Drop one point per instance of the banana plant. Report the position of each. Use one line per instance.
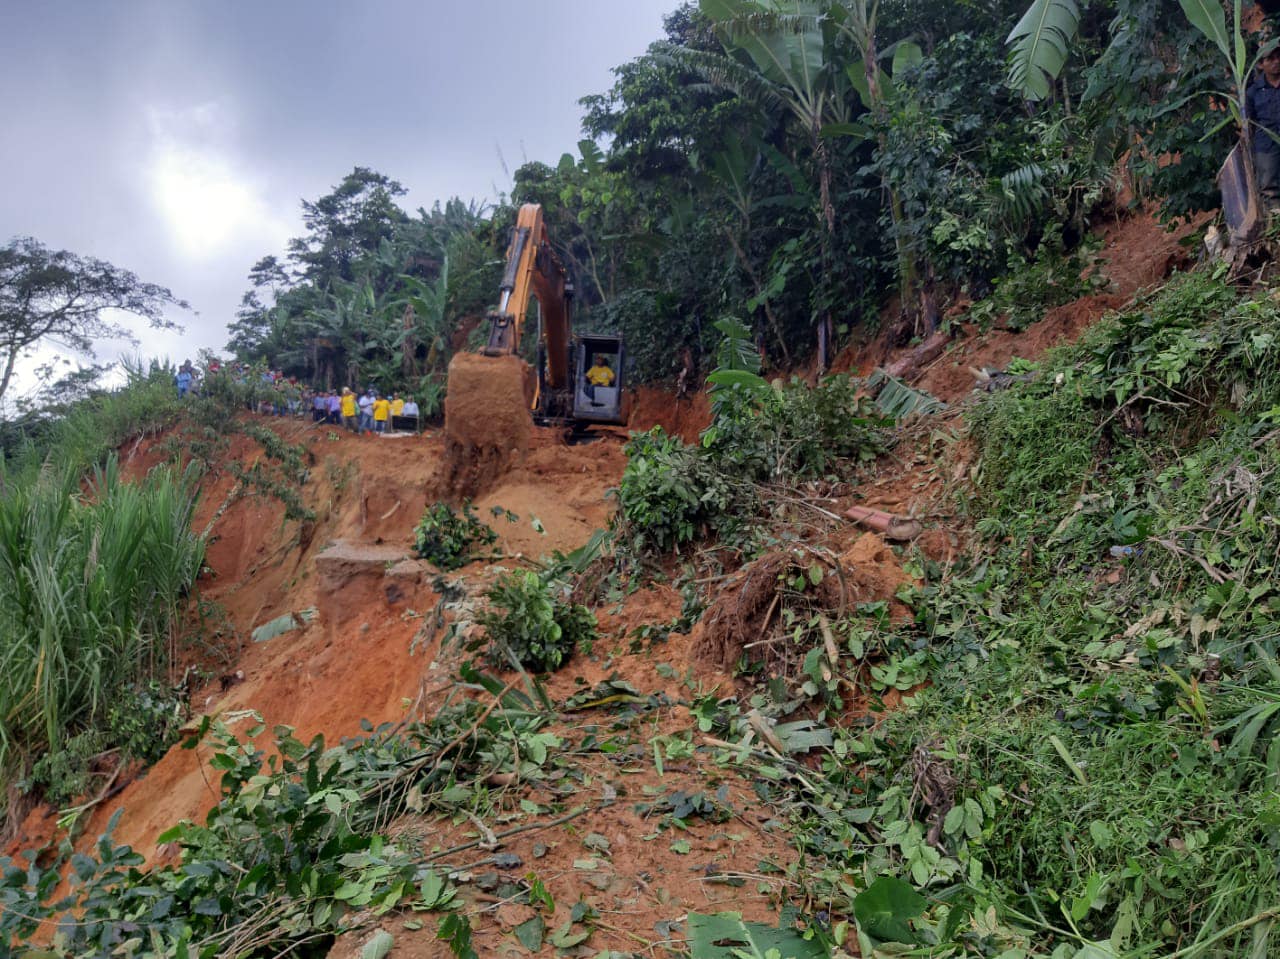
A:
(1208, 17)
(1040, 44)
(729, 173)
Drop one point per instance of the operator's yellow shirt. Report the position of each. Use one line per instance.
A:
(397, 407)
(600, 376)
(380, 409)
(348, 404)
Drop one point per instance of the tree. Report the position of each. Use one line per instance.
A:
(352, 220)
(58, 297)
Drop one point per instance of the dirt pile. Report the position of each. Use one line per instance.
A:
(758, 606)
(487, 422)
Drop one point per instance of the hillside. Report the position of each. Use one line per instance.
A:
(670, 779)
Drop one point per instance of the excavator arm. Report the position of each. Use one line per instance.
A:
(533, 271)
(494, 398)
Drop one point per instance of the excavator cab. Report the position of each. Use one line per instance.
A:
(595, 402)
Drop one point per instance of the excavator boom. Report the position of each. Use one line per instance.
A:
(533, 271)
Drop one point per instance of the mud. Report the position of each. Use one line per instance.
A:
(487, 420)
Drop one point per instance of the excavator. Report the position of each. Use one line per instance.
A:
(560, 394)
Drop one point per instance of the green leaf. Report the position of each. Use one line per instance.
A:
(455, 930)
(1040, 43)
(379, 946)
(856, 130)
(906, 55)
(530, 932)
(884, 908)
(743, 378)
(566, 938)
(726, 936)
(1208, 17)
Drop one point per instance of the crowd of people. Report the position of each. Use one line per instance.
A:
(279, 395)
(369, 412)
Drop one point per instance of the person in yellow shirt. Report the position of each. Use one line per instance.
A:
(381, 412)
(599, 375)
(397, 404)
(349, 410)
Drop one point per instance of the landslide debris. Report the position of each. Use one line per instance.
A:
(487, 421)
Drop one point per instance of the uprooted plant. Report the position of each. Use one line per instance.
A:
(449, 537)
(531, 620)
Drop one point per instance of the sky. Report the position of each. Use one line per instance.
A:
(177, 138)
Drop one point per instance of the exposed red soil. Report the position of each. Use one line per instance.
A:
(641, 882)
(1137, 253)
(353, 662)
(683, 416)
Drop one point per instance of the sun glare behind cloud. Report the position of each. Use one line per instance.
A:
(207, 205)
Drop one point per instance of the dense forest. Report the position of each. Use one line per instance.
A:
(810, 169)
(879, 664)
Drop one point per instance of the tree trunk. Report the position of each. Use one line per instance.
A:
(759, 288)
(10, 362)
(825, 325)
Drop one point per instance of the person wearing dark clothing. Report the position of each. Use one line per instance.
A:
(1262, 106)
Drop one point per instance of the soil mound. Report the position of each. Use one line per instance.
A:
(487, 422)
(746, 619)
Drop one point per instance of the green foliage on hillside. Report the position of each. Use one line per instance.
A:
(763, 439)
(449, 537)
(295, 851)
(94, 580)
(1093, 756)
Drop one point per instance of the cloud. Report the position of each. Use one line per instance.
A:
(208, 205)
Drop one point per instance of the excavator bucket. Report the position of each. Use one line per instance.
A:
(486, 418)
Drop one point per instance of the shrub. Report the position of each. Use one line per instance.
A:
(145, 720)
(532, 618)
(672, 494)
(793, 430)
(448, 538)
(669, 492)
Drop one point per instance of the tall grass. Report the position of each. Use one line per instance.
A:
(82, 434)
(92, 578)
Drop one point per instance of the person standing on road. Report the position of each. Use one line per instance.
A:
(381, 412)
(366, 411)
(349, 410)
(1262, 107)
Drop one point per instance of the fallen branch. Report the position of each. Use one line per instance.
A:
(527, 827)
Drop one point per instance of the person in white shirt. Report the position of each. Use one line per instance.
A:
(366, 412)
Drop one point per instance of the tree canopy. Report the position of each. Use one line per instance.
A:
(62, 299)
(806, 166)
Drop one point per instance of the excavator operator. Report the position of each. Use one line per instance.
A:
(599, 375)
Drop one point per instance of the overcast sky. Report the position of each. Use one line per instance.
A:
(177, 138)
